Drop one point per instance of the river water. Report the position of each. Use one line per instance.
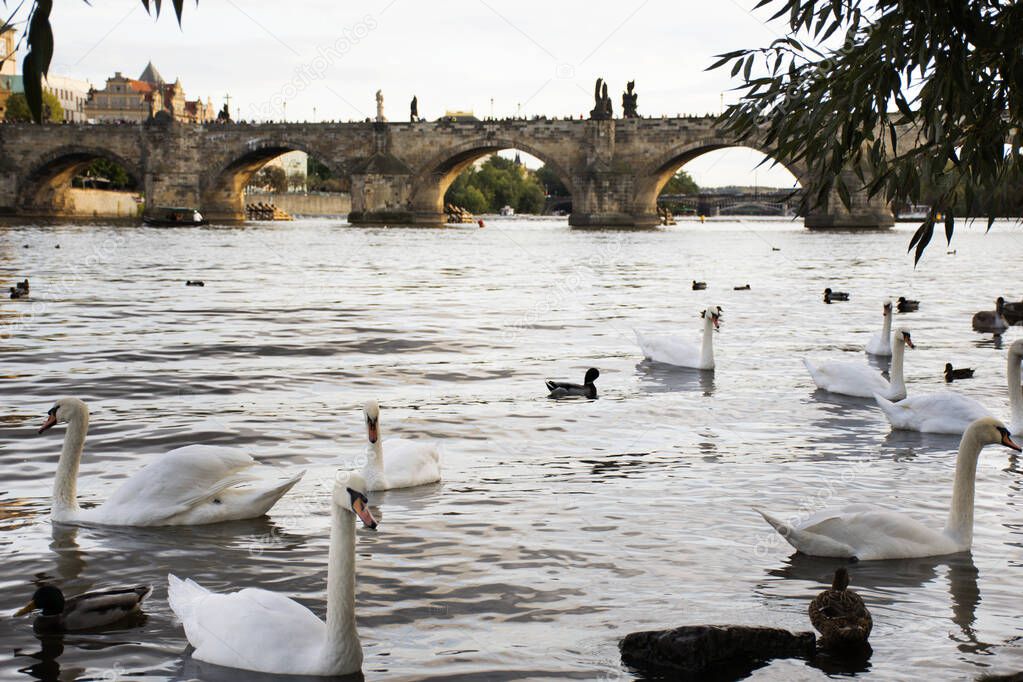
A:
(559, 526)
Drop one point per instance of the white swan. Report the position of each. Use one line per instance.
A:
(948, 412)
(944, 412)
(191, 485)
(881, 343)
(868, 532)
(855, 379)
(267, 632)
(1012, 373)
(408, 463)
(672, 350)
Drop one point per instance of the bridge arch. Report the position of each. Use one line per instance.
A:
(432, 179)
(223, 189)
(44, 188)
(659, 171)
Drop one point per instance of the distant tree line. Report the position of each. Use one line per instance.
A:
(104, 174)
(18, 109)
(498, 182)
(319, 178)
(681, 183)
(271, 179)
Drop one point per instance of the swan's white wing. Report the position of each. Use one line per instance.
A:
(864, 531)
(251, 629)
(828, 513)
(808, 543)
(883, 534)
(410, 463)
(175, 482)
(670, 350)
(848, 378)
(945, 412)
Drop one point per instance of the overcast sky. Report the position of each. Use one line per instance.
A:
(332, 56)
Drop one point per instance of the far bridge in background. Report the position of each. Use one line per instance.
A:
(770, 203)
(398, 172)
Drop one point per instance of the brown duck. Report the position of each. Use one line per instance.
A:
(840, 615)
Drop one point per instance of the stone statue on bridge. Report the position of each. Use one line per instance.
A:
(224, 115)
(629, 101)
(414, 109)
(601, 103)
(380, 107)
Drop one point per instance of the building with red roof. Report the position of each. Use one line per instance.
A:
(139, 99)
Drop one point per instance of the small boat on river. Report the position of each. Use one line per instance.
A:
(162, 216)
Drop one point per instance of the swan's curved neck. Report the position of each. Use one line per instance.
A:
(375, 453)
(886, 330)
(707, 350)
(65, 485)
(1012, 372)
(960, 515)
(898, 382)
(342, 651)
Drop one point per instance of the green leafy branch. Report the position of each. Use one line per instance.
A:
(921, 102)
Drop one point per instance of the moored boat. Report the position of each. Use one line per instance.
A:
(163, 216)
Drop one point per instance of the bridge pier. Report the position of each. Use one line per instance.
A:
(605, 192)
(863, 213)
(602, 219)
(382, 191)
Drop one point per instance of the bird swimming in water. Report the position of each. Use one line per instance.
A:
(992, 321)
(744, 287)
(564, 389)
(699, 286)
(840, 615)
(86, 611)
(905, 305)
(18, 293)
(195, 283)
(1013, 312)
(952, 374)
(830, 295)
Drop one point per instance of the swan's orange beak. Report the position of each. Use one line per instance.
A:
(359, 505)
(1008, 442)
(51, 419)
(371, 431)
(716, 319)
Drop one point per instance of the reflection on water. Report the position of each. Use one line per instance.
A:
(192, 669)
(657, 377)
(560, 525)
(47, 666)
(69, 557)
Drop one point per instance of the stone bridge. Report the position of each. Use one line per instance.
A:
(399, 172)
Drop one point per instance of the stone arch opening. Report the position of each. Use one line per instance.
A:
(241, 181)
(48, 189)
(659, 173)
(431, 183)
